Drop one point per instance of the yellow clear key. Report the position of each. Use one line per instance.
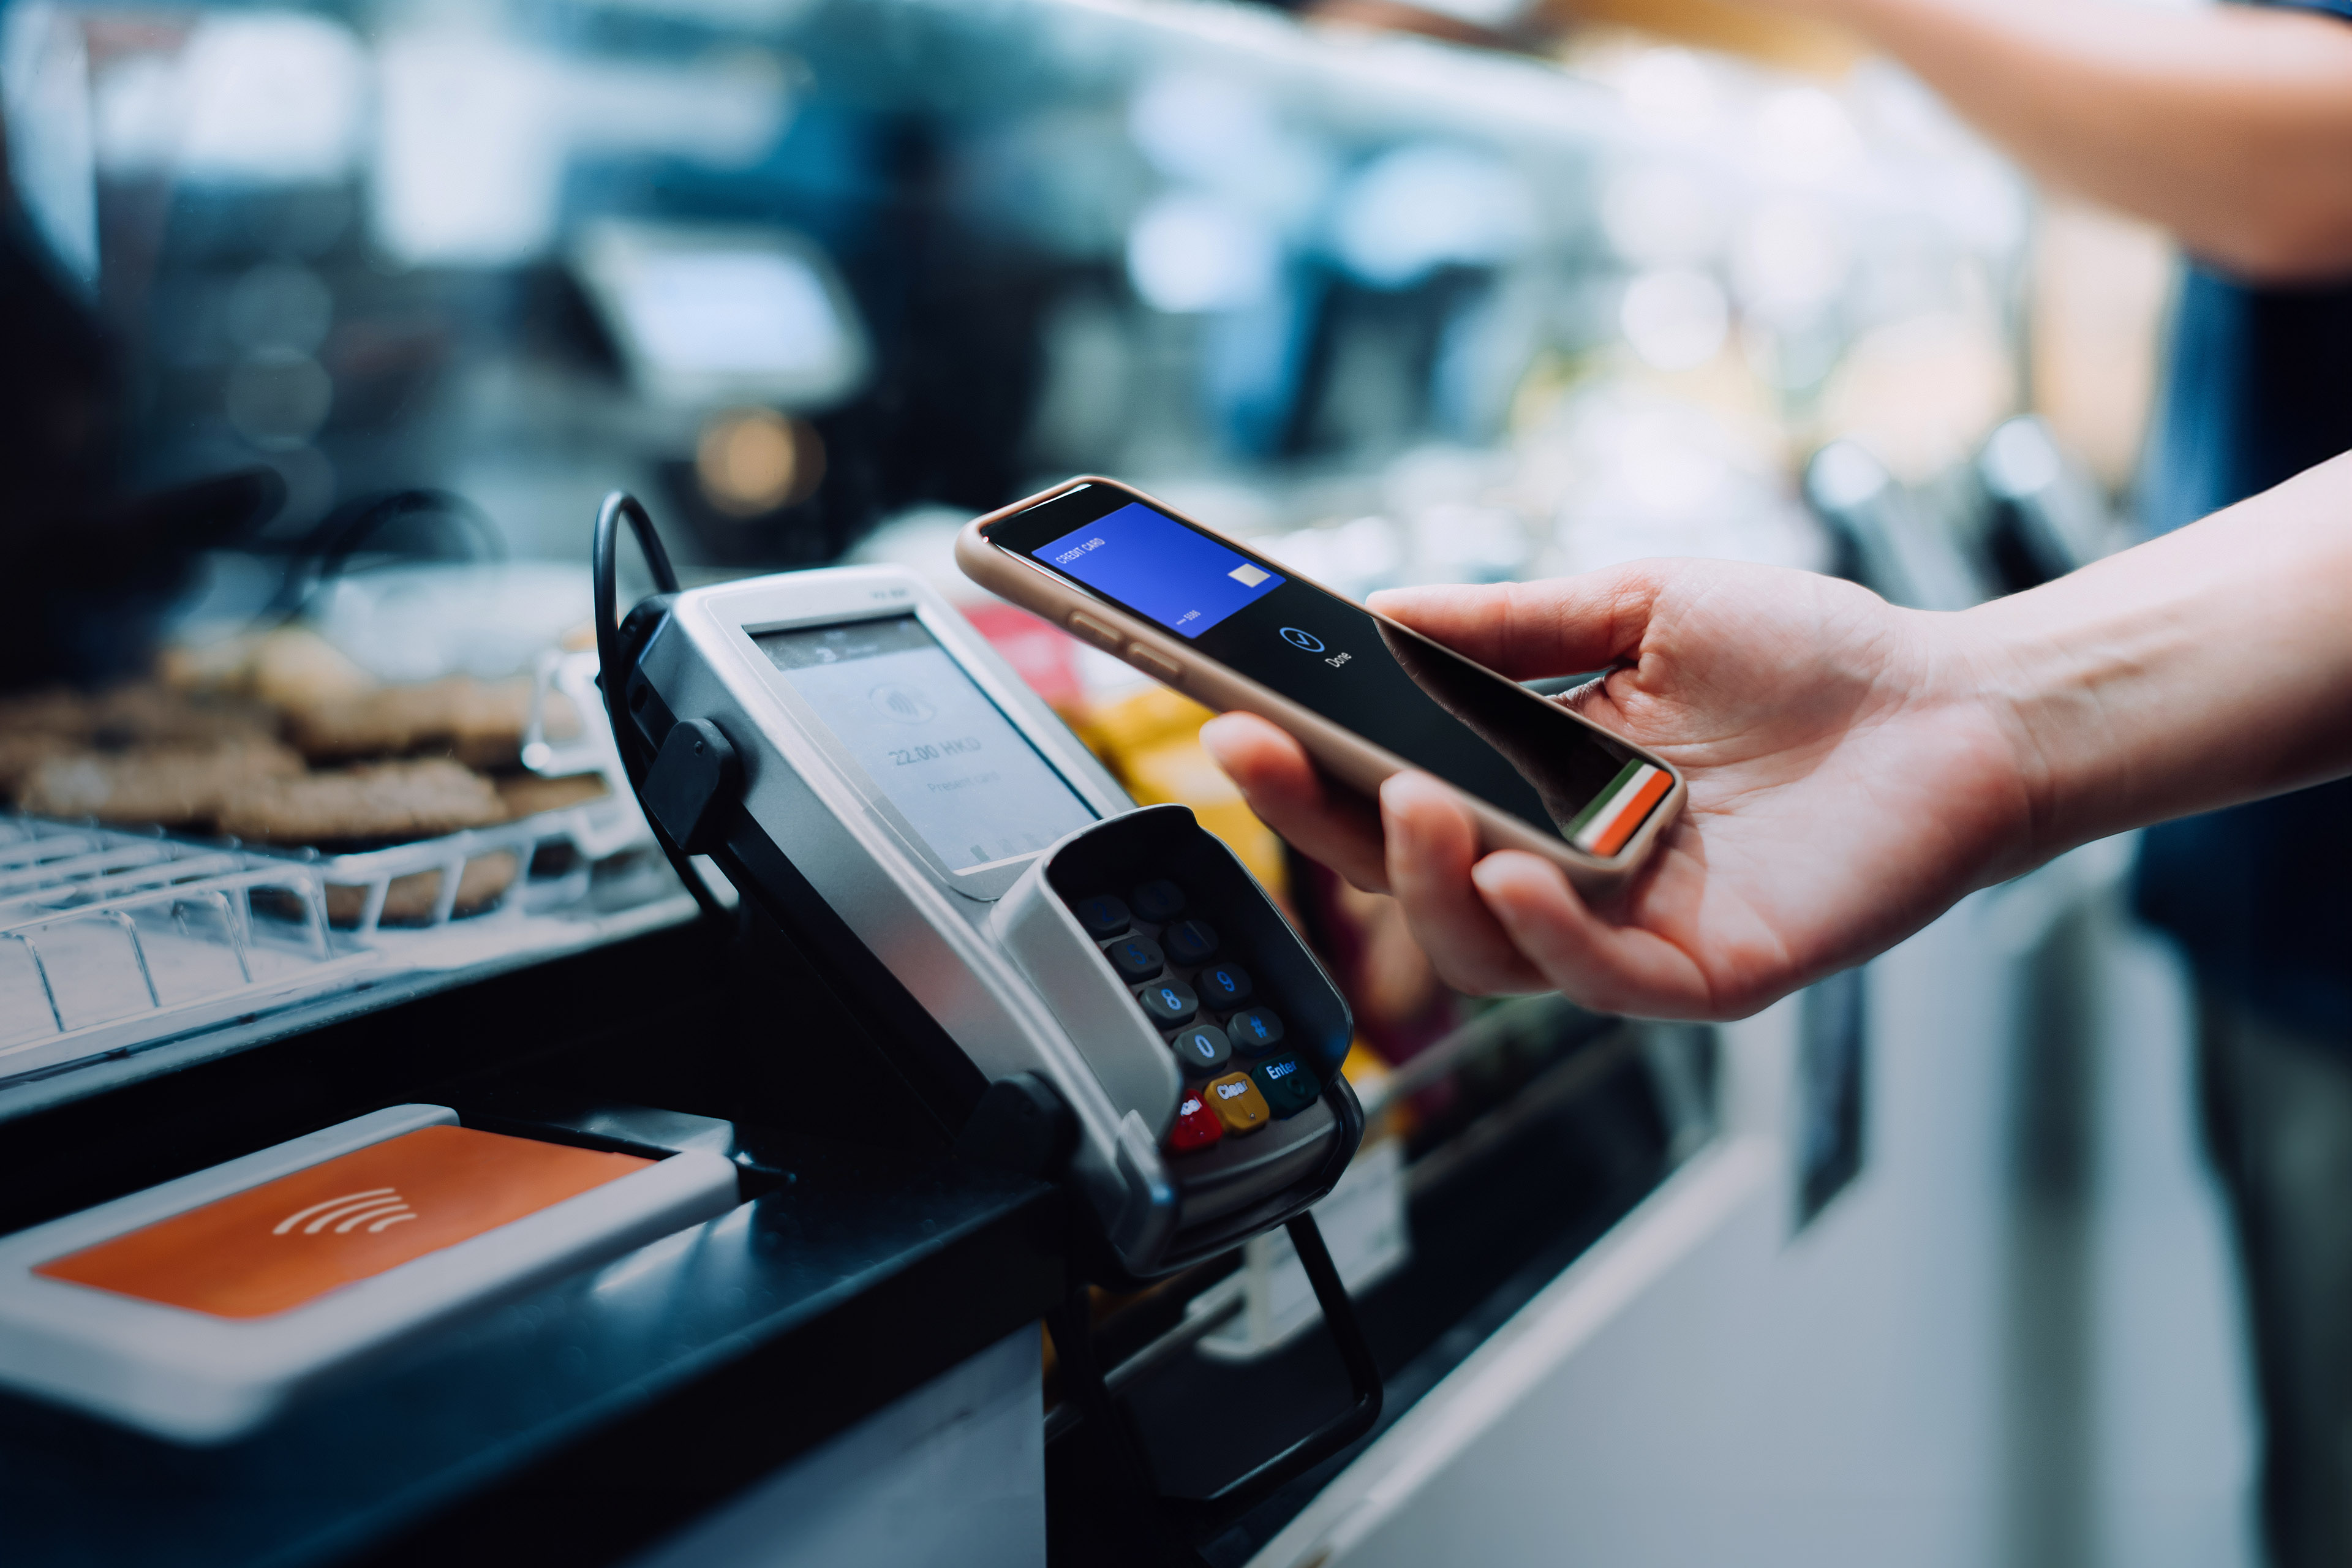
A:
(1237, 1102)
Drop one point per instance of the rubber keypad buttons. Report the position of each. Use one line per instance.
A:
(1196, 1127)
(1223, 986)
(1190, 941)
(1202, 1049)
(1159, 901)
(1169, 1003)
(1102, 915)
(1286, 1084)
(1238, 1102)
(1255, 1031)
(1136, 958)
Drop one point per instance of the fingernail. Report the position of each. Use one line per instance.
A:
(1211, 735)
(1395, 602)
(1397, 813)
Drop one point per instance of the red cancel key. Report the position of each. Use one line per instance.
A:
(1196, 1127)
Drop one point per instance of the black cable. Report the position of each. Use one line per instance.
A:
(329, 547)
(604, 576)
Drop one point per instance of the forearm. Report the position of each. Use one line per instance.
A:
(2205, 668)
(2229, 126)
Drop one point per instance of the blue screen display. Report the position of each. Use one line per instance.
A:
(1160, 569)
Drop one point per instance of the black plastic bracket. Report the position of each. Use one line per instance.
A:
(1190, 1524)
(1021, 1125)
(695, 769)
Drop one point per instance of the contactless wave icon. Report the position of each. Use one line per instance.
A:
(376, 1208)
(906, 704)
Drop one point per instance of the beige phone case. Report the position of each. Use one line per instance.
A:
(1342, 754)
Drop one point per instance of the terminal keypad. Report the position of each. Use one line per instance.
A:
(1204, 1001)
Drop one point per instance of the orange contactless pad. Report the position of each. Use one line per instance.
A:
(287, 1242)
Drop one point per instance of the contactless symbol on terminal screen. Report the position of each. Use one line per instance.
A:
(1306, 640)
(902, 702)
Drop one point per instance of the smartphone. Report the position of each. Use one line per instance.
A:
(1365, 695)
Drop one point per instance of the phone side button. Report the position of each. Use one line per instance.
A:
(1153, 664)
(1094, 631)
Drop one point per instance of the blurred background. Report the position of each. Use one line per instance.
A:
(329, 325)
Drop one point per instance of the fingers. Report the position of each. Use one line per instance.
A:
(1609, 968)
(1282, 787)
(1528, 630)
(1432, 845)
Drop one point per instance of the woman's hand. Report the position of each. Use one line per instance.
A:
(1847, 782)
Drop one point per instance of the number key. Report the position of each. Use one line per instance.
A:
(1159, 901)
(1102, 915)
(1223, 986)
(1202, 1049)
(1190, 941)
(1136, 958)
(1169, 1003)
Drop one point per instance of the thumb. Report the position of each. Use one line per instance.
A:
(1529, 630)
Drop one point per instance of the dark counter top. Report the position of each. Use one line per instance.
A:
(581, 1422)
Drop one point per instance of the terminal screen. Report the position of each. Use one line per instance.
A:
(973, 789)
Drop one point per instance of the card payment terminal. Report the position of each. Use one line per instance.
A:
(1017, 937)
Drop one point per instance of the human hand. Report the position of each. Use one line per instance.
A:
(1849, 778)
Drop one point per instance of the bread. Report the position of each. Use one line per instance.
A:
(383, 802)
(188, 786)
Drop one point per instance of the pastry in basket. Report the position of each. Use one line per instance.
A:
(53, 710)
(146, 714)
(366, 807)
(188, 785)
(410, 900)
(22, 750)
(140, 713)
(381, 803)
(479, 722)
(528, 794)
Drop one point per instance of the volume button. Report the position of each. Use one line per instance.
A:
(1094, 631)
(1154, 665)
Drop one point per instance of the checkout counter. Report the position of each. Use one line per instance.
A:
(819, 281)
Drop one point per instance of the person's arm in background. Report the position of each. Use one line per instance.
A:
(1853, 768)
(2229, 125)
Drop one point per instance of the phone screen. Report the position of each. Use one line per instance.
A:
(1488, 736)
